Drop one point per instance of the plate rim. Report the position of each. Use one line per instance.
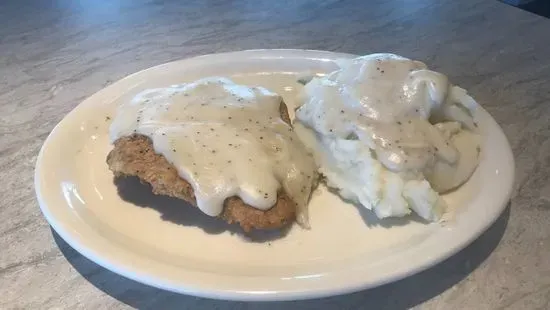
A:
(95, 255)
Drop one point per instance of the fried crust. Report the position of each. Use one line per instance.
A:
(134, 156)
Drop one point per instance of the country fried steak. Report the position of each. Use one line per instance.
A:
(135, 156)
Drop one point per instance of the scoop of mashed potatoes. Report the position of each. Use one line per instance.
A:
(389, 134)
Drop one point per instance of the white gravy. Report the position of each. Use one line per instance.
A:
(225, 139)
(385, 101)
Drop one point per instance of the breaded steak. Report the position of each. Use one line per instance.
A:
(135, 156)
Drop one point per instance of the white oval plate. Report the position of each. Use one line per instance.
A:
(181, 250)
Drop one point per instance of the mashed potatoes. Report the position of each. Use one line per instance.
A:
(389, 134)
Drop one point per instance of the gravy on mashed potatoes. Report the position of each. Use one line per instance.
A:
(390, 134)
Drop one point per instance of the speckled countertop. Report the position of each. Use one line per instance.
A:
(53, 54)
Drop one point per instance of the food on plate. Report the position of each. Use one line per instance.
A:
(228, 149)
(389, 134)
